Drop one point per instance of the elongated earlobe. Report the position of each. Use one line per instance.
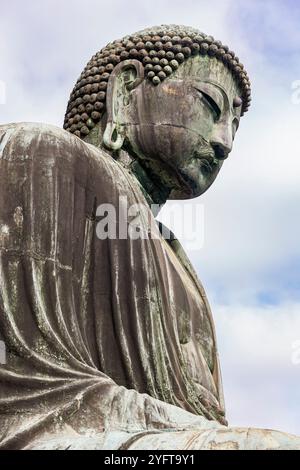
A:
(112, 139)
(125, 77)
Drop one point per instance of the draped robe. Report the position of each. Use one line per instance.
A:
(100, 335)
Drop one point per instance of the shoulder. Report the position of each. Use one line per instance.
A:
(45, 145)
(36, 141)
(36, 136)
(23, 135)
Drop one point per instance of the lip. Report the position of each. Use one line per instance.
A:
(209, 157)
(209, 162)
(206, 164)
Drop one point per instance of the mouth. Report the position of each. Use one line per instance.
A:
(206, 166)
(208, 163)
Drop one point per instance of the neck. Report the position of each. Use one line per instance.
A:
(154, 187)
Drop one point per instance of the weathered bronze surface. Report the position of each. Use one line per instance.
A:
(110, 343)
(161, 50)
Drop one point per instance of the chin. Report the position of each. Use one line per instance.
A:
(191, 192)
(193, 184)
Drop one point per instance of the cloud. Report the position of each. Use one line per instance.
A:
(44, 46)
(260, 361)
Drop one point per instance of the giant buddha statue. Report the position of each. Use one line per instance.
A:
(109, 338)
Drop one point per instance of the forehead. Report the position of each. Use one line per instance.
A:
(211, 70)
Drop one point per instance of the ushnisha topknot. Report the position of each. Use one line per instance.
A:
(161, 50)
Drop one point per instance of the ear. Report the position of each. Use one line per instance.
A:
(125, 77)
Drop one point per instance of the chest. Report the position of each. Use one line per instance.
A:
(194, 327)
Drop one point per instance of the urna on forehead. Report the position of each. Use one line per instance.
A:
(161, 50)
(209, 69)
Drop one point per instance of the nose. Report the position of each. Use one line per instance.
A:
(221, 140)
(220, 152)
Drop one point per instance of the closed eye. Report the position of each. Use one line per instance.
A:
(210, 102)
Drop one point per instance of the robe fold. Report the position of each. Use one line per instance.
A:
(98, 333)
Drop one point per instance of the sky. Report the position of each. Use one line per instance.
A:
(248, 255)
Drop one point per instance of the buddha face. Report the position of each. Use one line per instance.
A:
(184, 127)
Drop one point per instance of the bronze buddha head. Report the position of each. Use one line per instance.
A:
(170, 96)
